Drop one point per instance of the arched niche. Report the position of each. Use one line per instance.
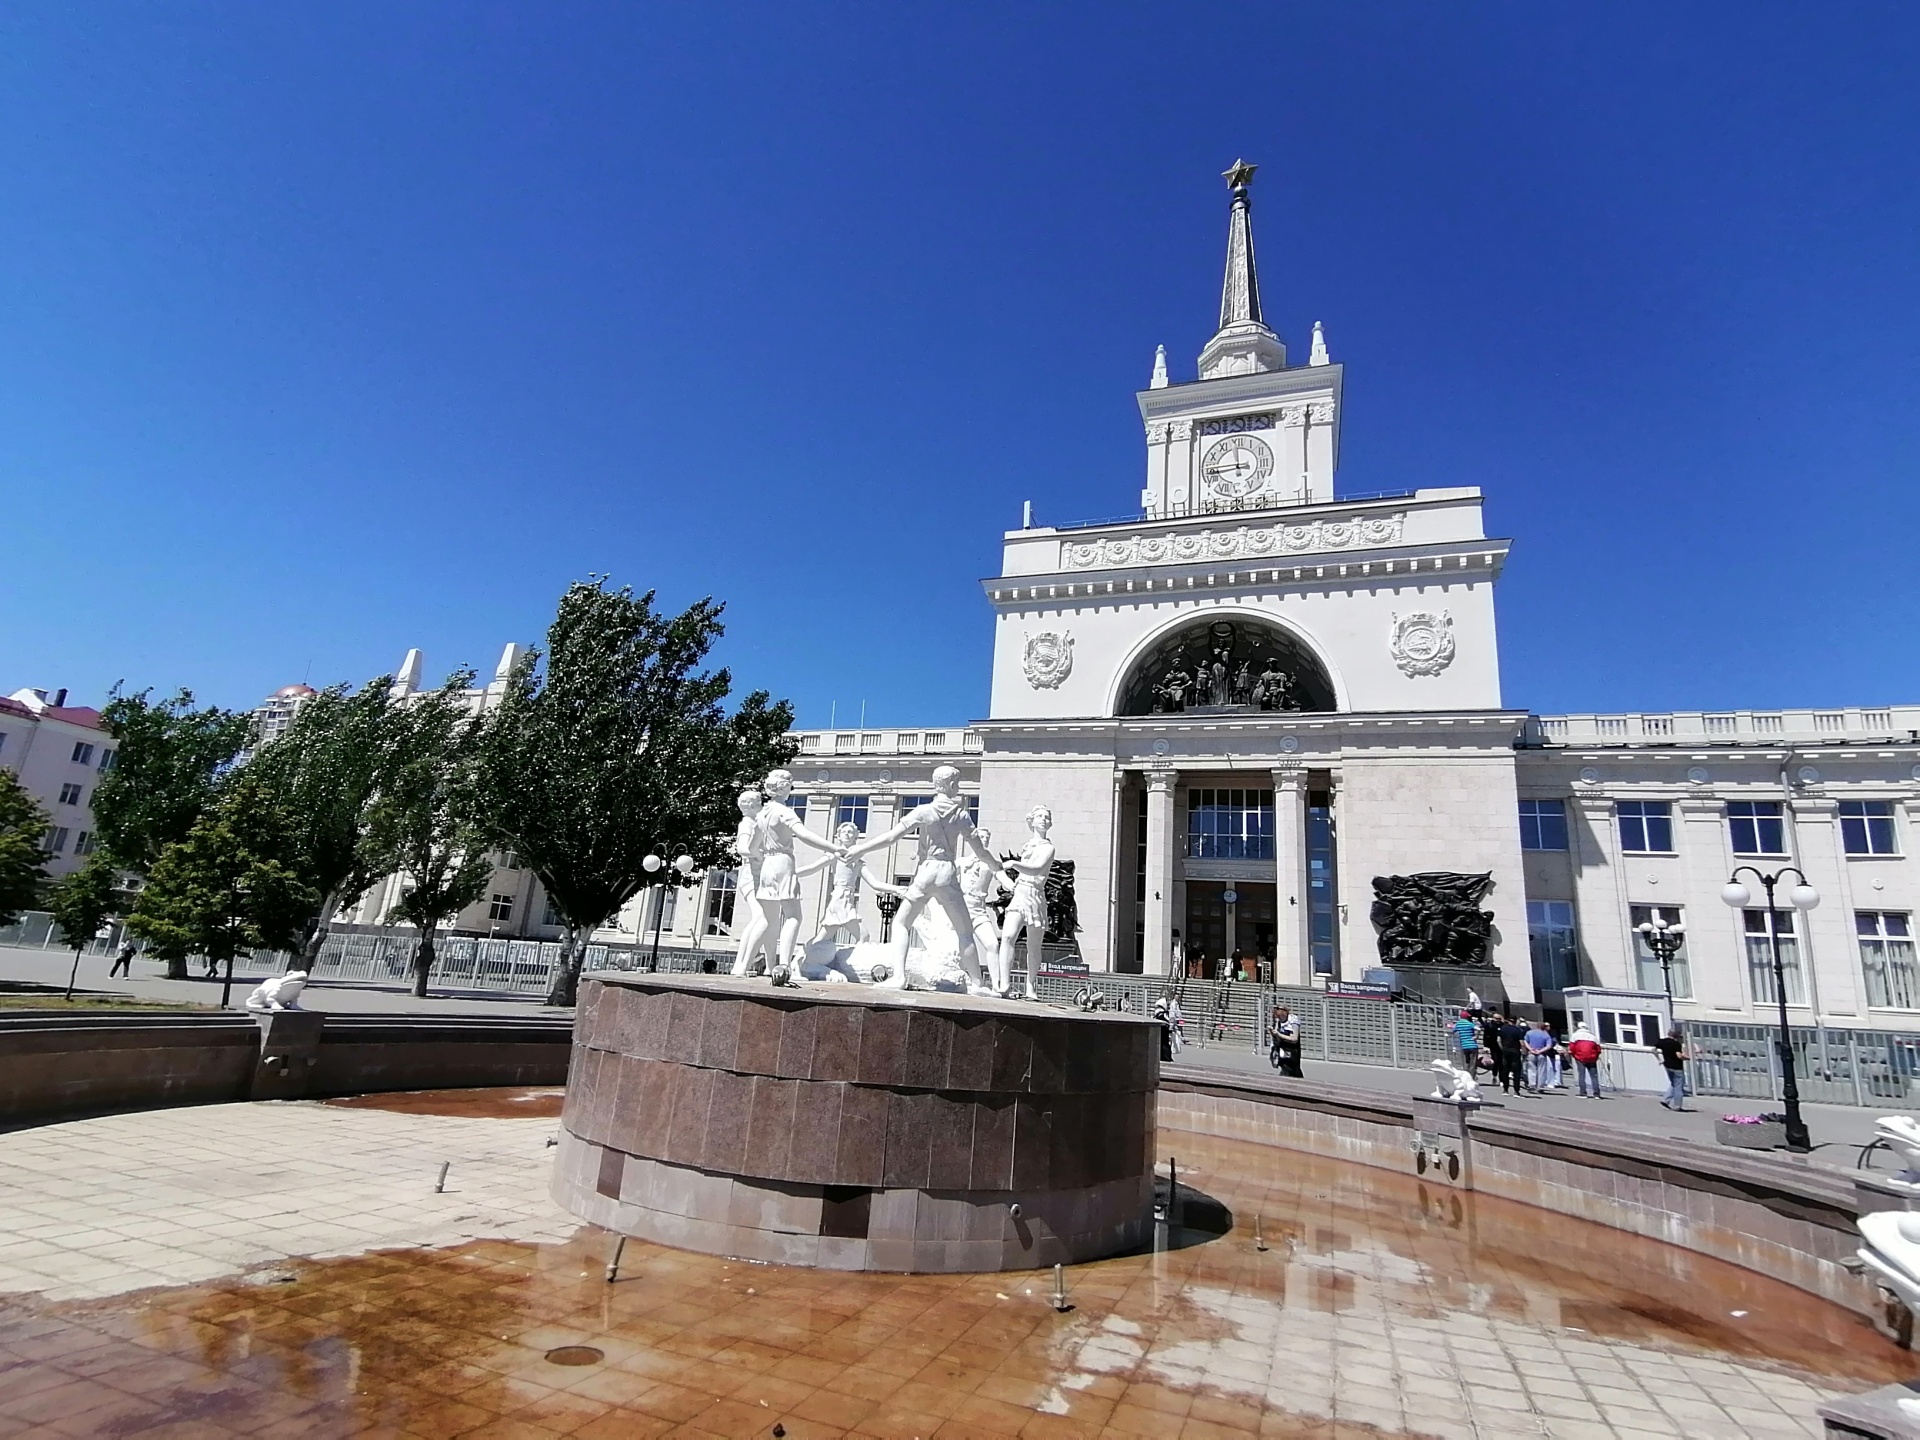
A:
(1265, 668)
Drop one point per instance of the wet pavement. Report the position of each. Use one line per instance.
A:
(1380, 1306)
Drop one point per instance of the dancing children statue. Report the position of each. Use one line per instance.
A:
(747, 849)
(1027, 910)
(777, 890)
(946, 833)
(978, 882)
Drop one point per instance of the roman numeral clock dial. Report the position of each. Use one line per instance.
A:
(1234, 467)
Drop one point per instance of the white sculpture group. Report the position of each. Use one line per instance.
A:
(955, 875)
(1892, 1252)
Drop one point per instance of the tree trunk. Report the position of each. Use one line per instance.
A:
(176, 967)
(322, 923)
(566, 973)
(75, 974)
(422, 963)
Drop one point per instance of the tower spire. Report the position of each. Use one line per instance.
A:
(1240, 292)
(1243, 345)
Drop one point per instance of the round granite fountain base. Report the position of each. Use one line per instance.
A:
(857, 1129)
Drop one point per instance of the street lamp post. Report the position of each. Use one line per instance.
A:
(1803, 898)
(653, 865)
(1664, 941)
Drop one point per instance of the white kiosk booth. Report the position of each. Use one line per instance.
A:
(1626, 1022)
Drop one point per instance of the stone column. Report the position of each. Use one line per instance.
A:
(1291, 965)
(1838, 987)
(1160, 818)
(1713, 930)
(1601, 901)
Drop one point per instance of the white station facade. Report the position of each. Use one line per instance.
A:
(1258, 696)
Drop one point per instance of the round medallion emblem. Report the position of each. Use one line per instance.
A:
(1422, 642)
(1698, 774)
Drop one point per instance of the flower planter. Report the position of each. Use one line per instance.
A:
(1768, 1135)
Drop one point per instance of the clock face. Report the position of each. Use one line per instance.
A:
(1235, 466)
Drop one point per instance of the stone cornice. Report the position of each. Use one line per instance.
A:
(1355, 569)
(1238, 392)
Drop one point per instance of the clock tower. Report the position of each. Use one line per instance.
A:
(1249, 433)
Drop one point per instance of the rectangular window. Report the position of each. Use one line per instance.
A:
(1543, 825)
(55, 842)
(973, 809)
(1646, 826)
(1760, 956)
(509, 861)
(553, 916)
(1866, 827)
(1624, 1027)
(851, 810)
(1230, 824)
(1756, 828)
(108, 759)
(1649, 963)
(1886, 955)
(798, 805)
(82, 753)
(1550, 938)
(500, 909)
(1323, 881)
(720, 891)
(70, 794)
(84, 843)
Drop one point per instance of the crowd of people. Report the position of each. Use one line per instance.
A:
(1526, 1058)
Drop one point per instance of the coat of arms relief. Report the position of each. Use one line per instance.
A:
(1049, 658)
(1422, 642)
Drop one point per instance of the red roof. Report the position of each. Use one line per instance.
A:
(76, 715)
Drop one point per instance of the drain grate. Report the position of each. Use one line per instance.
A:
(575, 1355)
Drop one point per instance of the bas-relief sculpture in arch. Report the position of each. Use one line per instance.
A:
(1223, 660)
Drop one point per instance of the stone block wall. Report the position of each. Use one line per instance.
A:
(857, 1130)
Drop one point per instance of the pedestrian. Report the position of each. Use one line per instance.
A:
(1673, 1059)
(1466, 1041)
(1510, 1054)
(123, 962)
(1284, 1042)
(1541, 1064)
(1585, 1050)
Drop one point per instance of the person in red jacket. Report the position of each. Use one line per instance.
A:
(1585, 1051)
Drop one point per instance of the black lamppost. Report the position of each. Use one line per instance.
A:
(889, 907)
(1803, 898)
(1664, 941)
(653, 865)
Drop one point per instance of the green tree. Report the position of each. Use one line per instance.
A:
(170, 759)
(23, 855)
(228, 886)
(82, 902)
(620, 749)
(424, 824)
(323, 773)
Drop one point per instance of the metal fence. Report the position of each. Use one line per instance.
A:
(35, 930)
(1834, 1067)
(1234, 1012)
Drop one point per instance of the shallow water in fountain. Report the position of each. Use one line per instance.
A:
(1381, 1305)
(505, 1102)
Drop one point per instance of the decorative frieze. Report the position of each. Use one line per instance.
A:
(1237, 424)
(1247, 541)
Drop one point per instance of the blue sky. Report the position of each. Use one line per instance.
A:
(328, 330)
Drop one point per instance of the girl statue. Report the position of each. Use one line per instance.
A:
(777, 890)
(750, 922)
(841, 922)
(1027, 910)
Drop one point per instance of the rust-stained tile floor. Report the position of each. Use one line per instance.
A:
(1380, 1307)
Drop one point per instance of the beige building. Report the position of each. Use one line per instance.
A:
(57, 752)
